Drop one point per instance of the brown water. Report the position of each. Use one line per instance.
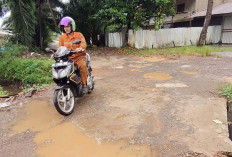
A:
(68, 140)
(12, 90)
(158, 76)
(189, 72)
(59, 138)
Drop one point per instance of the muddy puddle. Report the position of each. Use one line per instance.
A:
(55, 136)
(153, 59)
(158, 76)
(11, 90)
(189, 72)
(68, 140)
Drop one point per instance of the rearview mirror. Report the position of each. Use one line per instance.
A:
(77, 42)
(47, 49)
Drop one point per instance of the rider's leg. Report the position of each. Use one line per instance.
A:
(81, 63)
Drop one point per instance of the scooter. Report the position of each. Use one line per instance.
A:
(67, 77)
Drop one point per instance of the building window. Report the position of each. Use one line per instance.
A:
(180, 8)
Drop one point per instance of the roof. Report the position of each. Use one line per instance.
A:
(225, 8)
(178, 18)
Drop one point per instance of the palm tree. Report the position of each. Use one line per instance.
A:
(22, 21)
(47, 17)
(32, 20)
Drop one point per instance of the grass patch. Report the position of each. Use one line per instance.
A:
(226, 90)
(189, 50)
(2, 92)
(28, 72)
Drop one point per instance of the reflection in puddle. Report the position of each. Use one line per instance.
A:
(57, 138)
(11, 90)
(158, 76)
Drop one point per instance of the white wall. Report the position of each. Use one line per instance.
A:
(115, 40)
(227, 30)
(171, 37)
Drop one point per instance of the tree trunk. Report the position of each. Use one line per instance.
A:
(38, 36)
(206, 24)
(40, 29)
(53, 17)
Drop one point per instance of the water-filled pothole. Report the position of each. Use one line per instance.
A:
(10, 89)
(229, 119)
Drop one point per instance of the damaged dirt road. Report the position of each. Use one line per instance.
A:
(140, 107)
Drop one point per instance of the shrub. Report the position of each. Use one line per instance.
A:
(226, 90)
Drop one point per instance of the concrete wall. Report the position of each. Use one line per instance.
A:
(227, 30)
(171, 37)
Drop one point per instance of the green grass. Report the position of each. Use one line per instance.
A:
(226, 90)
(2, 92)
(189, 50)
(28, 72)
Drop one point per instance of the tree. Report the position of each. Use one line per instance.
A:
(32, 20)
(208, 16)
(47, 17)
(133, 14)
(22, 20)
(82, 11)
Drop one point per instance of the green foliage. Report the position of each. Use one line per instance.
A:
(226, 90)
(9, 50)
(2, 92)
(82, 11)
(114, 19)
(27, 71)
(22, 21)
(133, 14)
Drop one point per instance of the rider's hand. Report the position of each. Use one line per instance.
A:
(79, 49)
(52, 56)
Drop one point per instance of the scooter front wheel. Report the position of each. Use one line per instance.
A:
(64, 101)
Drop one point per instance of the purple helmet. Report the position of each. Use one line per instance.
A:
(68, 20)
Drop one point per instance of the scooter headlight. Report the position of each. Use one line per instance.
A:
(65, 72)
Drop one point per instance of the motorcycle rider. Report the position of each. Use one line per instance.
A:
(79, 58)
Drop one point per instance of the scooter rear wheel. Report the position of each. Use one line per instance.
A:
(64, 101)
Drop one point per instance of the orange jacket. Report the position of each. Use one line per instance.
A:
(66, 41)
